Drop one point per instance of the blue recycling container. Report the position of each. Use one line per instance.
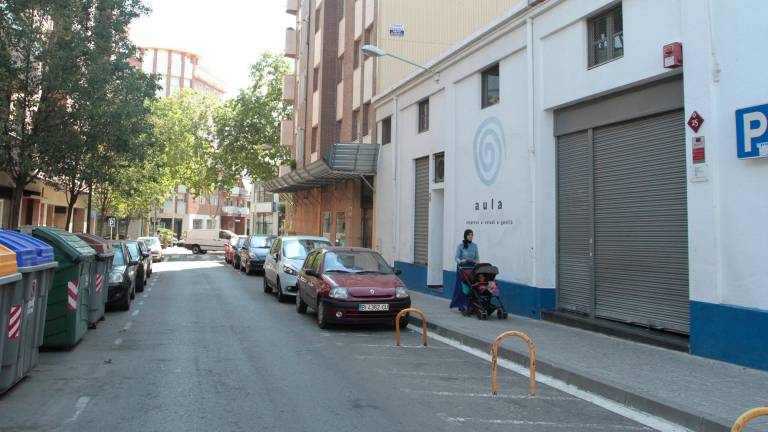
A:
(36, 264)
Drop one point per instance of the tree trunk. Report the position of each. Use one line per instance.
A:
(127, 228)
(16, 198)
(88, 212)
(70, 210)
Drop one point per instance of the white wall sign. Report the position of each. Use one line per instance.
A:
(397, 30)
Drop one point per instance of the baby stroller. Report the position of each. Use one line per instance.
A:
(484, 298)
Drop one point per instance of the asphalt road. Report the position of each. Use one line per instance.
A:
(204, 349)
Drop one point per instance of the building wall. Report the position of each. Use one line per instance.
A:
(431, 27)
(543, 67)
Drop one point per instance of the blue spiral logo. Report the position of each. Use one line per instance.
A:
(489, 150)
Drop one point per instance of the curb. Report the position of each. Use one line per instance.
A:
(674, 412)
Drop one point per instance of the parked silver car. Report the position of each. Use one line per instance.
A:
(284, 260)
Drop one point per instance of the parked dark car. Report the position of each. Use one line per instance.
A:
(238, 243)
(253, 252)
(351, 285)
(145, 261)
(122, 278)
(146, 252)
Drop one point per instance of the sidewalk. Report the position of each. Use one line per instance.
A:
(700, 394)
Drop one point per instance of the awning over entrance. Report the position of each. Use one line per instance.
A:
(342, 162)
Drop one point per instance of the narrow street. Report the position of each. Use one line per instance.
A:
(204, 349)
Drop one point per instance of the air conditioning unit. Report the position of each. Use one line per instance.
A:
(439, 167)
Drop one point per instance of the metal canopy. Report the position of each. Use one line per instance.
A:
(342, 162)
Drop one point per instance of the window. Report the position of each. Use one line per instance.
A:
(326, 224)
(202, 200)
(275, 247)
(314, 139)
(369, 36)
(316, 263)
(356, 63)
(316, 78)
(341, 228)
(356, 262)
(490, 90)
(208, 224)
(197, 224)
(386, 130)
(366, 112)
(606, 37)
(182, 198)
(263, 223)
(439, 167)
(296, 249)
(318, 16)
(424, 115)
(214, 200)
(355, 121)
(308, 262)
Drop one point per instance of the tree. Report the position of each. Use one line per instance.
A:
(33, 76)
(106, 114)
(184, 127)
(246, 124)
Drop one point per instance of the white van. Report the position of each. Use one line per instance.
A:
(204, 240)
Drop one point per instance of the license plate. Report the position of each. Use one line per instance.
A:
(374, 307)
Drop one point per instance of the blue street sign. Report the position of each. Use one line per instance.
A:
(752, 132)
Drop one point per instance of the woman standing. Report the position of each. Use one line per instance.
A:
(466, 256)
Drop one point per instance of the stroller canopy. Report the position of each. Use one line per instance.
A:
(486, 269)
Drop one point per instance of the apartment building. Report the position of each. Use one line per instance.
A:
(265, 211)
(331, 137)
(41, 205)
(180, 69)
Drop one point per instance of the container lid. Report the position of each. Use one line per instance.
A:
(29, 250)
(101, 246)
(7, 262)
(65, 242)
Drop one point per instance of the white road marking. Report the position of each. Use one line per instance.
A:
(145, 296)
(540, 423)
(369, 357)
(127, 326)
(486, 395)
(118, 341)
(406, 347)
(135, 313)
(141, 303)
(80, 405)
(149, 289)
(614, 407)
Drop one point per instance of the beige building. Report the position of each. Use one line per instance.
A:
(330, 191)
(179, 69)
(41, 205)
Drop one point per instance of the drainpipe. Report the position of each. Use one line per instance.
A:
(395, 182)
(532, 148)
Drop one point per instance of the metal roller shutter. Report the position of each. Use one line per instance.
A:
(421, 212)
(574, 223)
(641, 231)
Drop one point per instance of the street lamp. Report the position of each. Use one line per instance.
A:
(374, 51)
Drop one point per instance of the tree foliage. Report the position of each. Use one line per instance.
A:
(184, 127)
(252, 120)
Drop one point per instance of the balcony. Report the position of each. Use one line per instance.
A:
(234, 211)
(286, 133)
(291, 42)
(339, 100)
(315, 108)
(292, 7)
(342, 34)
(289, 88)
(265, 207)
(318, 55)
(358, 22)
(239, 191)
(284, 170)
(368, 80)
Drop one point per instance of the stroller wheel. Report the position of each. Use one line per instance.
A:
(500, 314)
(505, 315)
(482, 316)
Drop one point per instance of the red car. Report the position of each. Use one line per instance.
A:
(351, 285)
(230, 248)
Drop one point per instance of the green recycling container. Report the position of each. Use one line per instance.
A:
(97, 297)
(66, 319)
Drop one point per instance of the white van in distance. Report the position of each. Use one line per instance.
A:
(204, 240)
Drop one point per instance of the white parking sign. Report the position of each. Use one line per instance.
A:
(752, 132)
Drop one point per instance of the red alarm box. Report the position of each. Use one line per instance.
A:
(673, 55)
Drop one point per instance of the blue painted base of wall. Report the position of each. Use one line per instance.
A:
(730, 333)
(519, 299)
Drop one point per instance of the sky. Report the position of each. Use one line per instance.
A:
(228, 35)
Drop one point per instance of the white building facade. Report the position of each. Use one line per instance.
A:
(559, 135)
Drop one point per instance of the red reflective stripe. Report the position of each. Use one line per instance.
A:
(14, 322)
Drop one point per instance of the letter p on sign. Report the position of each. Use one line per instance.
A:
(752, 132)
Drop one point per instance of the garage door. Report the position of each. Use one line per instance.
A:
(574, 235)
(421, 212)
(641, 222)
(622, 222)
